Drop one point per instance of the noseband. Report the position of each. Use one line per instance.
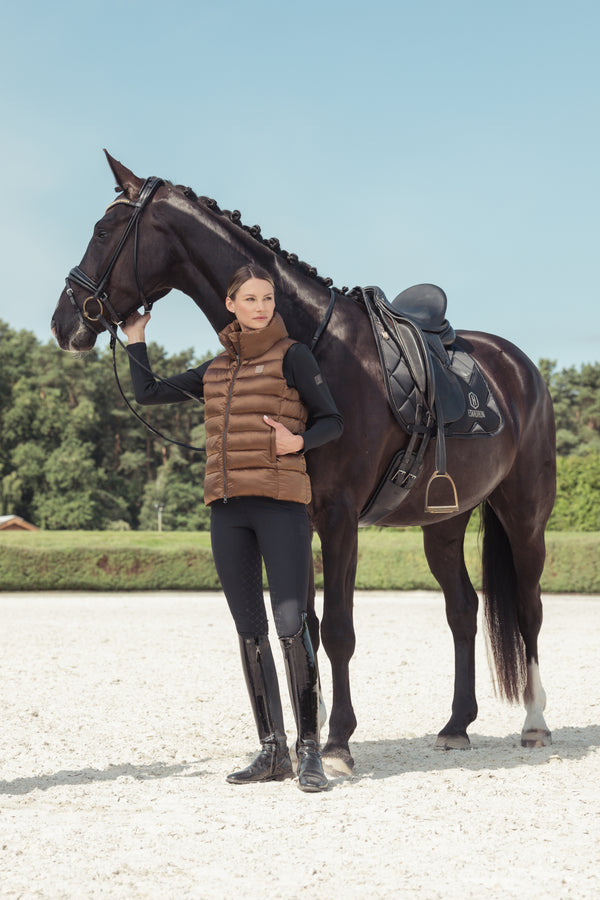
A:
(99, 289)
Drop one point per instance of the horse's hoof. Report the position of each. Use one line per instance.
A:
(536, 737)
(337, 762)
(452, 742)
(334, 766)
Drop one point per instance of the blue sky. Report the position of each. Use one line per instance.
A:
(385, 142)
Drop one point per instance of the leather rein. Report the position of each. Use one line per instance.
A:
(99, 295)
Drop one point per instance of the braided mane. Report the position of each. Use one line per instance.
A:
(235, 217)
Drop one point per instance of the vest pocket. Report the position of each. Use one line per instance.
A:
(272, 445)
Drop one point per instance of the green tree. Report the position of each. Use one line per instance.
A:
(576, 398)
(179, 491)
(577, 506)
(75, 494)
(71, 453)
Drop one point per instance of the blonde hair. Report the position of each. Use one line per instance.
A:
(241, 276)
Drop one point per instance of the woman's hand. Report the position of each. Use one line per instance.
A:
(285, 441)
(134, 327)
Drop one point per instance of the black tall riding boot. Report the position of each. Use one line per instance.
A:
(273, 762)
(303, 682)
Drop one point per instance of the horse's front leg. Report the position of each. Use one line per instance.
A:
(315, 638)
(338, 529)
(444, 543)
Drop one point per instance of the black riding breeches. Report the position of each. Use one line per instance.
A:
(246, 530)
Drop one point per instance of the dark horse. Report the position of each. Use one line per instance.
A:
(186, 242)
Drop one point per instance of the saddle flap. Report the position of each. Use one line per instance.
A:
(415, 357)
(449, 396)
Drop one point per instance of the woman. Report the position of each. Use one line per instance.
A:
(266, 405)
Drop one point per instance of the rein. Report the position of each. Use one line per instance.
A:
(325, 321)
(114, 340)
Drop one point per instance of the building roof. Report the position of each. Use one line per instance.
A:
(16, 523)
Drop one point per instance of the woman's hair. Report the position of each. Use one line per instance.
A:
(241, 275)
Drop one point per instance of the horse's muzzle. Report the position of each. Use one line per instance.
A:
(77, 339)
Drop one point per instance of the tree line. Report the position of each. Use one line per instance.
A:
(72, 455)
(576, 397)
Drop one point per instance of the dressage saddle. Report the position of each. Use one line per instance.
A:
(434, 387)
(425, 306)
(415, 324)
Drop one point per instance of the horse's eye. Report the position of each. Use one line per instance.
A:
(101, 234)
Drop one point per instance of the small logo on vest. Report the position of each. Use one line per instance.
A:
(259, 369)
(318, 379)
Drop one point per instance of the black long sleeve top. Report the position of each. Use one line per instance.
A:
(300, 370)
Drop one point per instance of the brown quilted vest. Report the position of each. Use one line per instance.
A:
(240, 387)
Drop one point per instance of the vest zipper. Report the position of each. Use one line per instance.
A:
(235, 374)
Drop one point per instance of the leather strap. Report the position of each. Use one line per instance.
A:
(97, 288)
(325, 321)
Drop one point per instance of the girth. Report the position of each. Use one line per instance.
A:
(433, 388)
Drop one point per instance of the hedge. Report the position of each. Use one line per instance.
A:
(388, 559)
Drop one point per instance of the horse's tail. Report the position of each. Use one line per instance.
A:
(499, 584)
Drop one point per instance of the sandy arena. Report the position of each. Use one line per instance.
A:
(123, 713)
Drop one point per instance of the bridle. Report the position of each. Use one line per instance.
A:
(99, 289)
(99, 295)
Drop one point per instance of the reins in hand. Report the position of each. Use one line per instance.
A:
(114, 340)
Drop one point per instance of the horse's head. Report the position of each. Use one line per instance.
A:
(121, 270)
(157, 236)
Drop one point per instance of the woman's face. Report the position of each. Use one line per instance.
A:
(253, 305)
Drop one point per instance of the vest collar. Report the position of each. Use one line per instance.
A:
(251, 344)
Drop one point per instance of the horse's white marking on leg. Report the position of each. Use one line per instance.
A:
(322, 710)
(535, 698)
(535, 731)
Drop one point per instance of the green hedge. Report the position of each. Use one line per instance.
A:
(388, 559)
(106, 561)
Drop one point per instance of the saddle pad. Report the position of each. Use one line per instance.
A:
(468, 405)
(481, 415)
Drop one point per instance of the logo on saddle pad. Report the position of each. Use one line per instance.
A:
(475, 412)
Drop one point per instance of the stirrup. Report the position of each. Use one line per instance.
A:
(441, 509)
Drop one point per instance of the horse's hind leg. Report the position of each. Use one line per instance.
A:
(444, 549)
(524, 532)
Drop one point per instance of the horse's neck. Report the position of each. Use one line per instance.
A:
(215, 247)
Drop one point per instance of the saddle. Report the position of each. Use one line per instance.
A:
(434, 387)
(412, 334)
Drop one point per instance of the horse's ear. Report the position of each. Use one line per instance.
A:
(127, 182)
